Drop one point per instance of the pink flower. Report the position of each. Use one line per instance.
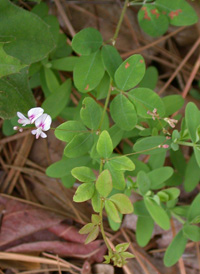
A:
(33, 114)
(43, 123)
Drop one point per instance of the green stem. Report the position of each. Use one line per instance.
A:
(178, 217)
(186, 144)
(133, 153)
(105, 106)
(101, 226)
(101, 166)
(120, 22)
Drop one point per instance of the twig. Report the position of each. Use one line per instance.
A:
(191, 78)
(180, 65)
(65, 18)
(153, 43)
(144, 268)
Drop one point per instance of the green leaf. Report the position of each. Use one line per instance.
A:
(68, 181)
(111, 59)
(41, 10)
(30, 39)
(192, 232)
(144, 230)
(96, 201)
(51, 80)
(179, 12)
(56, 102)
(158, 214)
(140, 209)
(143, 182)
(157, 160)
(96, 219)
(7, 127)
(146, 100)
(9, 64)
(90, 113)
(15, 95)
(171, 193)
(149, 145)
(87, 228)
(178, 161)
(194, 210)
(88, 72)
(83, 174)
(68, 130)
(175, 249)
(122, 203)
(87, 41)
(172, 103)
(122, 247)
(130, 72)
(84, 192)
(79, 145)
(116, 134)
(112, 211)
(197, 155)
(65, 64)
(152, 21)
(103, 87)
(114, 226)
(122, 163)
(104, 183)
(192, 117)
(63, 167)
(123, 112)
(192, 174)
(159, 176)
(150, 78)
(92, 235)
(104, 145)
(118, 180)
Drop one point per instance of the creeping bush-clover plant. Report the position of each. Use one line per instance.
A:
(118, 101)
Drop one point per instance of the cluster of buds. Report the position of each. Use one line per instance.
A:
(171, 122)
(163, 146)
(35, 115)
(154, 114)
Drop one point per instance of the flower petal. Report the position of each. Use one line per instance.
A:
(22, 119)
(35, 113)
(34, 131)
(21, 116)
(43, 135)
(44, 121)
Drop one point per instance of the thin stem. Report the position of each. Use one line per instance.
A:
(101, 226)
(120, 22)
(178, 217)
(187, 144)
(105, 106)
(101, 166)
(138, 152)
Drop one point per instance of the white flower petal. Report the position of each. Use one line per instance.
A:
(35, 113)
(43, 135)
(34, 131)
(44, 121)
(20, 115)
(22, 119)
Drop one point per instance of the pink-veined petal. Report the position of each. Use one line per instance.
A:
(44, 121)
(22, 119)
(35, 113)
